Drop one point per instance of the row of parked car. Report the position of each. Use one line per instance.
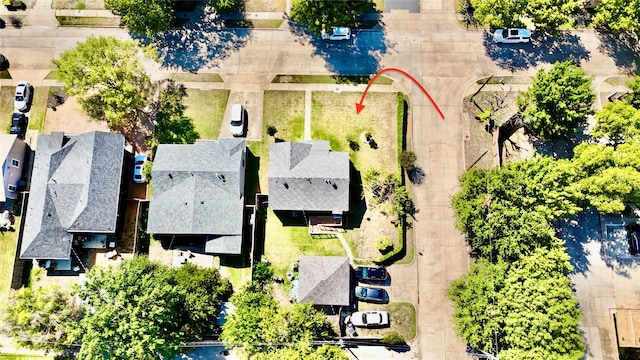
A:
(372, 318)
(21, 102)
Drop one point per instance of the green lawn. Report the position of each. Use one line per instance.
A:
(285, 111)
(402, 319)
(8, 244)
(266, 5)
(285, 244)
(206, 108)
(6, 107)
(5, 75)
(52, 75)
(24, 357)
(88, 21)
(334, 118)
(189, 77)
(38, 108)
(266, 23)
(328, 79)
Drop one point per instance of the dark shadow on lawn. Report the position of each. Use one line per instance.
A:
(357, 203)
(624, 49)
(542, 49)
(358, 56)
(202, 41)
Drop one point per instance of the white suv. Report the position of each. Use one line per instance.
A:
(338, 33)
(512, 36)
(22, 96)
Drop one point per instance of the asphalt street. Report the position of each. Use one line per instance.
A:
(444, 56)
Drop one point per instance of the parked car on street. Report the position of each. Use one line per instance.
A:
(371, 294)
(633, 236)
(371, 273)
(138, 166)
(370, 318)
(22, 96)
(512, 36)
(337, 33)
(18, 125)
(238, 120)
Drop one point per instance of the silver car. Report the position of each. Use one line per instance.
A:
(22, 96)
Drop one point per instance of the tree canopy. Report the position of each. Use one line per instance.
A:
(172, 125)
(145, 17)
(617, 121)
(109, 80)
(317, 14)
(634, 96)
(559, 100)
(547, 16)
(618, 16)
(268, 331)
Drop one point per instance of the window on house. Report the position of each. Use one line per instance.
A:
(12, 188)
(15, 163)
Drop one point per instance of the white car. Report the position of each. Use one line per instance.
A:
(236, 125)
(338, 33)
(22, 96)
(370, 318)
(138, 166)
(512, 36)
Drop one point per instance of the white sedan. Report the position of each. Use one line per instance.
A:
(512, 36)
(370, 318)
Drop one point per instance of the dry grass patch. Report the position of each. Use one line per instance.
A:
(74, 4)
(6, 107)
(265, 5)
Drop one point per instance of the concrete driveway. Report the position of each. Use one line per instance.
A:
(252, 102)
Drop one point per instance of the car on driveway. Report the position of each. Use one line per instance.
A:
(337, 33)
(22, 96)
(18, 125)
(371, 273)
(371, 294)
(512, 36)
(370, 318)
(138, 166)
(238, 120)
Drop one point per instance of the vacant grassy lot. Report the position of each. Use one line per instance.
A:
(402, 319)
(206, 108)
(334, 118)
(285, 111)
(6, 107)
(285, 244)
(8, 244)
(38, 108)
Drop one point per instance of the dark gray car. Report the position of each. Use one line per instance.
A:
(371, 294)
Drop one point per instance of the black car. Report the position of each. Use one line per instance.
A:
(18, 125)
(633, 236)
(371, 273)
(371, 294)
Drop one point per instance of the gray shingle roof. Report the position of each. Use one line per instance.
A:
(308, 176)
(198, 189)
(75, 187)
(324, 280)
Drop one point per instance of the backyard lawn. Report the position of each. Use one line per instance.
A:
(285, 244)
(206, 108)
(334, 118)
(38, 108)
(8, 244)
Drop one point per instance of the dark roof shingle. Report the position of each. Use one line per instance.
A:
(324, 280)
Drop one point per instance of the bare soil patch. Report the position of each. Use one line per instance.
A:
(374, 226)
(70, 118)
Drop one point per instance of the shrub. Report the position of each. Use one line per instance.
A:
(146, 170)
(393, 338)
(384, 244)
(271, 130)
(408, 160)
(262, 272)
(80, 6)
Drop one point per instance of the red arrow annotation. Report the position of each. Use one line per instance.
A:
(359, 105)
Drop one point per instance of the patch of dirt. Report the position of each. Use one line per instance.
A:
(127, 238)
(374, 226)
(70, 119)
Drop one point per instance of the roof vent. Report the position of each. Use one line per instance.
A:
(221, 177)
(286, 186)
(327, 181)
(170, 176)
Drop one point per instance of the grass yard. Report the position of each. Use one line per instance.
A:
(266, 23)
(402, 319)
(285, 111)
(189, 77)
(38, 108)
(52, 75)
(5, 75)
(285, 244)
(328, 79)
(24, 356)
(88, 21)
(8, 244)
(75, 4)
(6, 107)
(206, 108)
(334, 118)
(266, 5)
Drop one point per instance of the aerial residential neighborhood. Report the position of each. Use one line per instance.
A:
(304, 179)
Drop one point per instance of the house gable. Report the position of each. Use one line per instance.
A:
(324, 280)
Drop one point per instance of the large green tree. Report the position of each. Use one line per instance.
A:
(506, 212)
(617, 121)
(109, 80)
(634, 97)
(618, 16)
(38, 317)
(546, 15)
(143, 310)
(143, 16)
(559, 100)
(267, 330)
(320, 14)
(172, 125)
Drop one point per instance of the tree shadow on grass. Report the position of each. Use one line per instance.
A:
(541, 49)
(624, 49)
(202, 42)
